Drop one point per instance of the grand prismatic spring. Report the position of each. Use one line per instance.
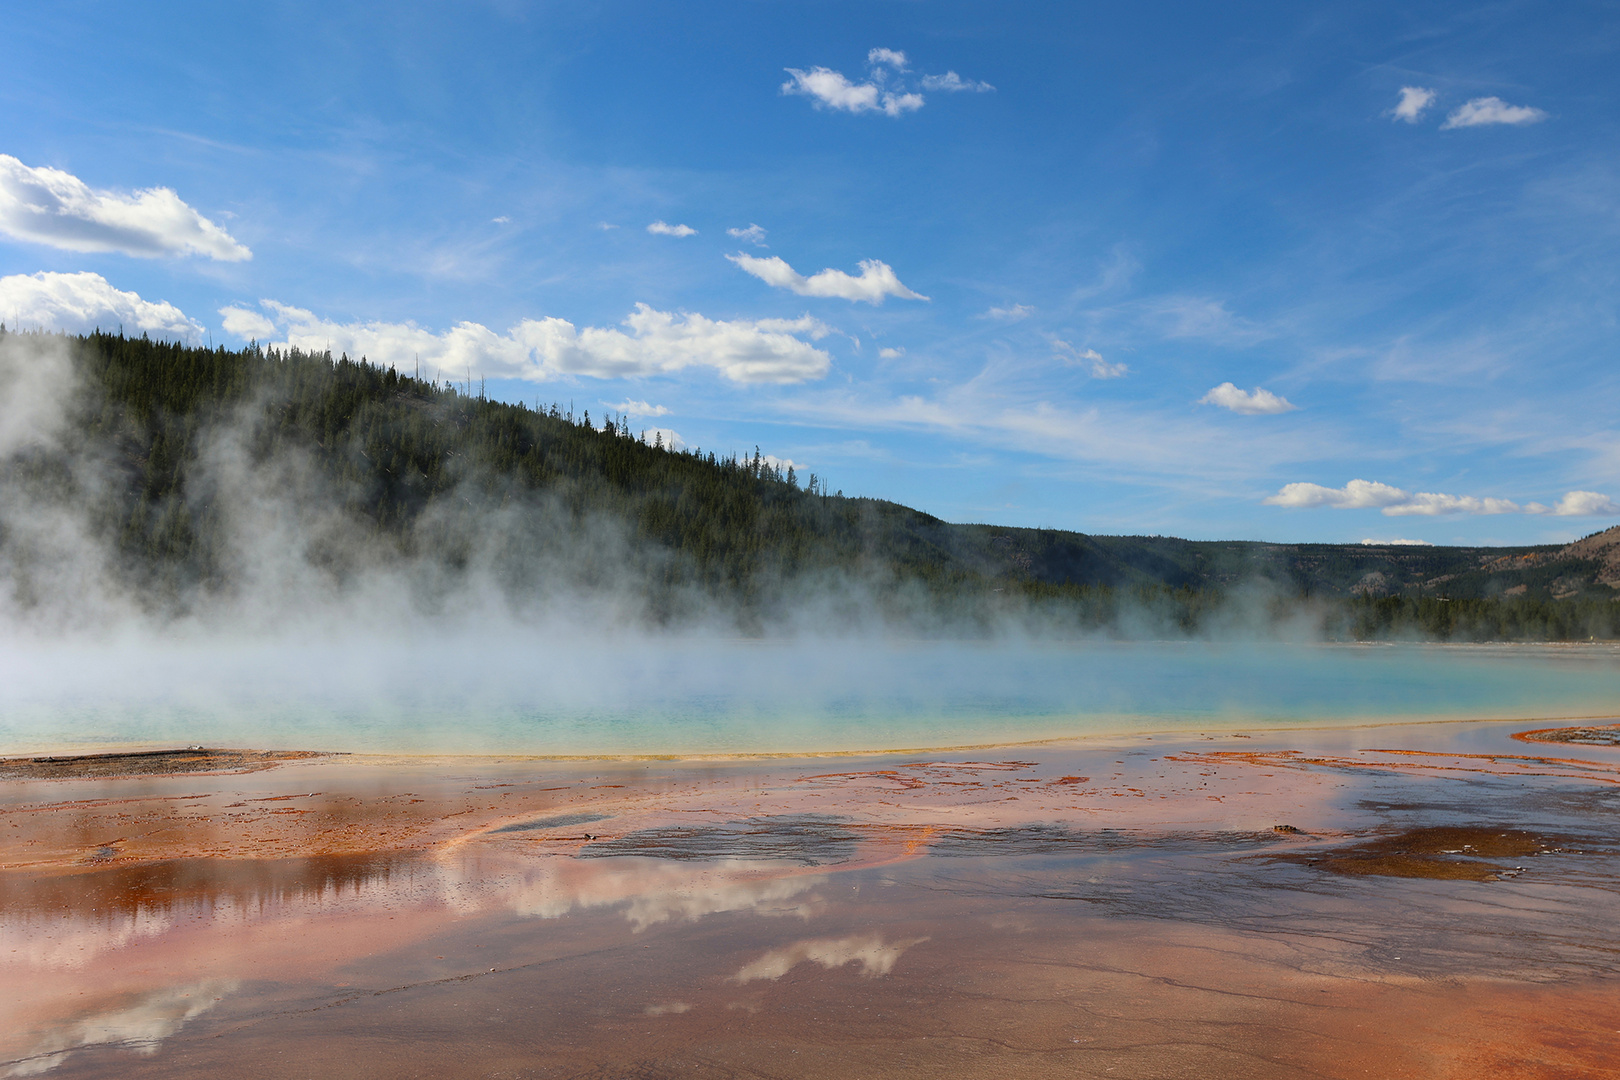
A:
(1385, 888)
(853, 539)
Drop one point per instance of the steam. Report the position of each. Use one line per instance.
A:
(292, 554)
(502, 619)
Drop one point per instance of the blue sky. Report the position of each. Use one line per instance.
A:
(1269, 270)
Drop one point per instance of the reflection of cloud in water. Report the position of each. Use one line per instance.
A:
(69, 922)
(867, 950)
(655, 891)
(140, 1026)
(70, 942)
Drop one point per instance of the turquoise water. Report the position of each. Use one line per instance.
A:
(543, 696)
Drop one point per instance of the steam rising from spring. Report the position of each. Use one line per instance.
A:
(507, 620)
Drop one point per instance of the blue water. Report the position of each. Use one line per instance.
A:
(544, 696)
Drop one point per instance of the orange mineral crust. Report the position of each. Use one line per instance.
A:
(1427, 900)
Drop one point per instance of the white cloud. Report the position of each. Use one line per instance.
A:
(891, 353)
(242, 323)
(753, 234)
(639, 408)
(1578, 504)
(1090, 359)
(653, 343)
(830, 89)
(663, 437)
(886, 90)
(951, 82)
(1011, 313)
(1430, 504)
(782, 464)
(660, 228)
(1397, 543)
(502, 220)
(877, 279)
(1391, 501)
(1254, 402)
(606, 226)
(79, 303)
(1415, 101)
(49, 206)
(1491, 110)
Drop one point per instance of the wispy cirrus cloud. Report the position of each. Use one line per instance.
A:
(1090, 359)
(49, 206)
(1008, 406)
(1415, 101)
(651, 342)
(887, 89)
(754, 234)
(1256, 402)
(876, 280)
(1010, 313)
(951, 83)
(1199, 317)
(82, 302)
(1491, 110)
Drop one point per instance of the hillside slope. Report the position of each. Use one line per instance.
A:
(170, 477)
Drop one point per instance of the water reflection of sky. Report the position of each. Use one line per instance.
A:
(226, 922)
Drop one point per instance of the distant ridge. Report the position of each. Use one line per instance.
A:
(1602, 548)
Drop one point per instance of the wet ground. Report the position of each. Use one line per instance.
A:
(1429, 900)
(145, 763)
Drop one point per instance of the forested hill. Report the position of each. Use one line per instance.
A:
(182, 471)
